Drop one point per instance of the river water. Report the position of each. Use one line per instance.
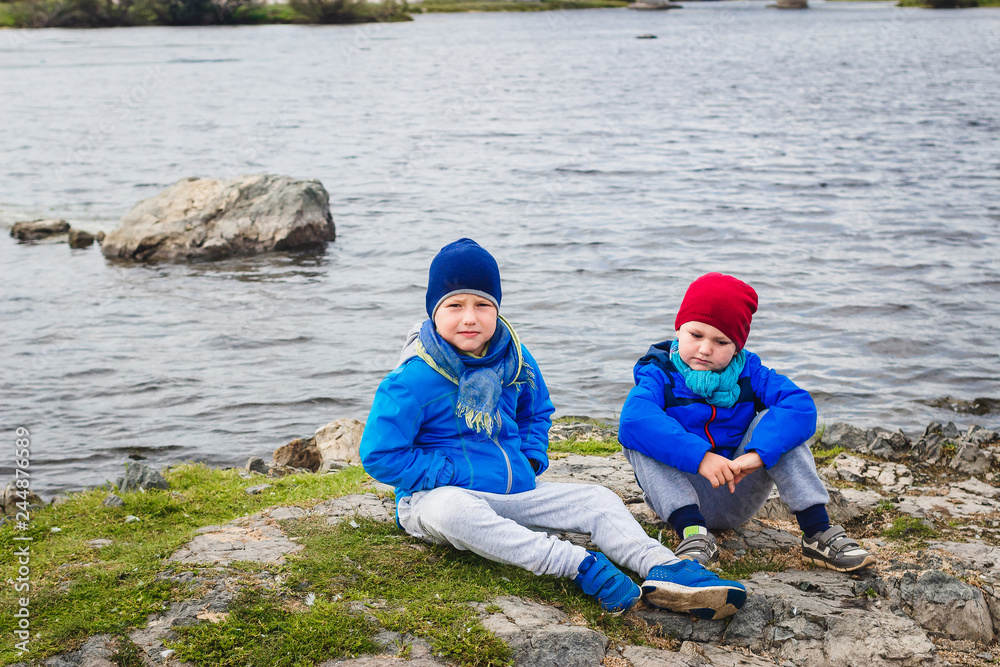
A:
(843, 160)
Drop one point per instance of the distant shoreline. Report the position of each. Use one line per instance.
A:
(73, 14)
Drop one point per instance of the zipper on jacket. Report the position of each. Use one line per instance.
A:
(510, 473)
(708, 433)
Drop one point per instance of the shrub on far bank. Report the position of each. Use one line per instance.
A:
(74, 13)
(351, 11)
(116, 13)
(197, 12)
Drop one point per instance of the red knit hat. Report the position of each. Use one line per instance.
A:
(726, 303)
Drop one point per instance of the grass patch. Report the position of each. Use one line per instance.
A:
(588, 447)
(6, 18)
(425, 590)
(77, 591)
(825, 456)
(436, 6)
(753, 561)
(587, 436)
(909, 528)
(281, 637)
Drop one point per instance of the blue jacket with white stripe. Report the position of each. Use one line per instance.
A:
(414, 441)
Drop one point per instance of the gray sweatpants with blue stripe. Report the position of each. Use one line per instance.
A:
(667, 489)
(511, 528)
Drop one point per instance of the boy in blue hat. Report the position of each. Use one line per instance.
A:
(460, 428)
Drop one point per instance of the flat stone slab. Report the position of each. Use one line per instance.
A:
(365, 505)
(692, 655)
(542, 635)
(248, 539)
(612, 471)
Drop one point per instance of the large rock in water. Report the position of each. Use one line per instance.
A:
(208, 219)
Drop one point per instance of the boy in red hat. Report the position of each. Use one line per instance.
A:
(710, 430)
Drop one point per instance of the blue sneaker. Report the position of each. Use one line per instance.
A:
(688, 587)
(611, 587)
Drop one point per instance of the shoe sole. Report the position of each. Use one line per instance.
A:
(631, 603)
(869, 560)
(712, 602)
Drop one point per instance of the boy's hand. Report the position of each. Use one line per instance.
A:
(748, 463)
(719, 470)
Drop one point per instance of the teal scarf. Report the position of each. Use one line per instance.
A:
(719, 388)
(480, 380)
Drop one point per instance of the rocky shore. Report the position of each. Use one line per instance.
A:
(929, 509)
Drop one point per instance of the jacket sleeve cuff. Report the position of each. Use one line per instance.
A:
(769, 458)
(538, 464)
(446, 475)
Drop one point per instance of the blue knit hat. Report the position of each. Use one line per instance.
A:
(462, 267)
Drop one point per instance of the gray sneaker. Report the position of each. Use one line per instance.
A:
(834, 550)
(699, 548)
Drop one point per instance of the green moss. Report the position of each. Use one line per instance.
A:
(909, 528)
(77, 591)
(752, 561)
(825, 456)
(281, 637)
(6, 18)
(425, 590)
(587, 447)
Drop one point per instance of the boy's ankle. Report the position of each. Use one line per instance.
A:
(698, 545)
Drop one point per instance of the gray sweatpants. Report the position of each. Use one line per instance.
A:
(509, 528)
(667, 489)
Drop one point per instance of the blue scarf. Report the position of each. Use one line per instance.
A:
(719, 388)
(480, 381)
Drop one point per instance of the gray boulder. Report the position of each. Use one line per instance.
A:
(257, 465)
(817, 619)
(339, 443)
(929, 448)
(971, 460)
(209, 219)
(945, 605)
(38, 229)
(849, 437)
(301, 453)
(80, 239)
(140, 477)
(14, 500)
(890, 445)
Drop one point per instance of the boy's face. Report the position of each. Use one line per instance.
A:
(703, 347)
(467, 321)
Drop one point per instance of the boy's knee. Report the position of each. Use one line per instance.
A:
(602, 496)
(445, 505)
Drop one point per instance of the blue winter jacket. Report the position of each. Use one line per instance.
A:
(665, 420)
(414, 441)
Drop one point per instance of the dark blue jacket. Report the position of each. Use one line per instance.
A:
(414, 441)
(665, 420)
